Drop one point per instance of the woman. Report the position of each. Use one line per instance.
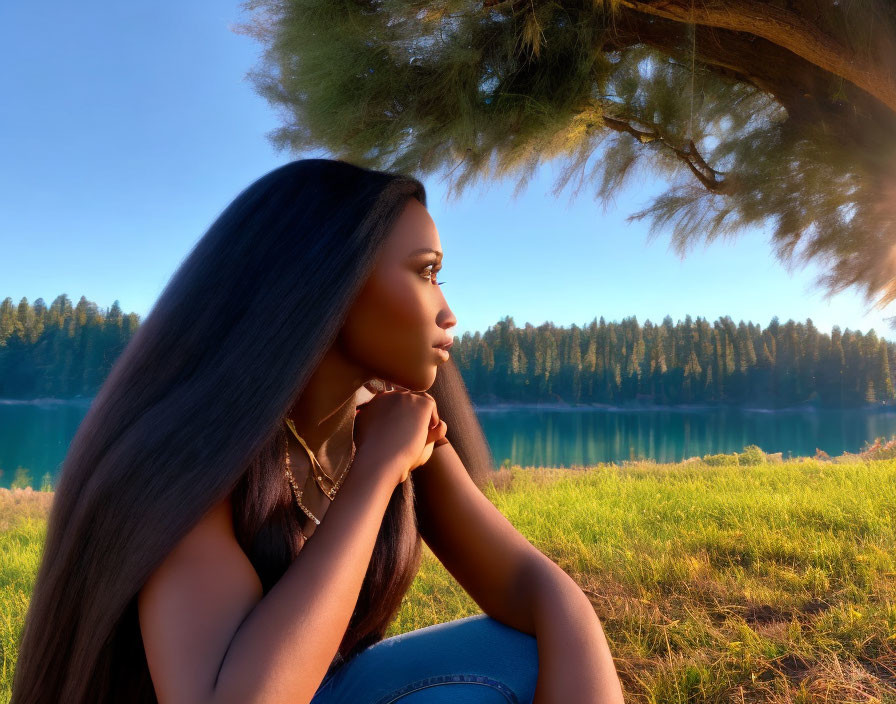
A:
(176, 567)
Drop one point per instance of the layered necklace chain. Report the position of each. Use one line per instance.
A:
(327, 485)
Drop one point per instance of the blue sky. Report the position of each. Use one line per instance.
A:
(126, 128)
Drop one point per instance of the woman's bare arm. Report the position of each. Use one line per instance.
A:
(209, 635)
(283, 649)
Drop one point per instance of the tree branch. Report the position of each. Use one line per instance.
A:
(786, 29)
(704, 173)
(798, 86)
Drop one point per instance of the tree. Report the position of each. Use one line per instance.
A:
(692, 374)
(61, 350)
(870, 395)
(8, 320)
(759, 113)
(883, 381)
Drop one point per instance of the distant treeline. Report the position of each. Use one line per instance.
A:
(689, 362)
(61, 351)
(65, 350)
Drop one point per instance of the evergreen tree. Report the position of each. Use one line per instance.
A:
(65, 350)
(692, 373)
(870, 395)
(883, 380)
(757, 111)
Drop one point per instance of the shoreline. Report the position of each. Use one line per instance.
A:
(504, 406)
(47, 401)
(682, 408)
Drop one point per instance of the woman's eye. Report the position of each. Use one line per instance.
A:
(432, 272)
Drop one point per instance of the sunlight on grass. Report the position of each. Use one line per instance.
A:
(714, 582)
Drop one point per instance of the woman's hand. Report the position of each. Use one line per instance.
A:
(400, 428)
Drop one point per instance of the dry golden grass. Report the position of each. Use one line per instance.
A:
(21, 504)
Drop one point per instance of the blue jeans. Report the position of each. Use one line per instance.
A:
(472, 660)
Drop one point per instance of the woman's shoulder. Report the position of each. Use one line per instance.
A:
(200, 593)
(215, 529)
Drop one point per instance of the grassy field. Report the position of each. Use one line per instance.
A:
(732, 578)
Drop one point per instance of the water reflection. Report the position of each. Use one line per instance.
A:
(37, 435)
(582, 437)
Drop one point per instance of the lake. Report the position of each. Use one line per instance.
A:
(36, 435)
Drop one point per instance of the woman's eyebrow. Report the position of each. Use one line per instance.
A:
(426, 250)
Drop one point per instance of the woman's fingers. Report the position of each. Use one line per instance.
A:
(378, 386)
(441, 434)
(437, 432)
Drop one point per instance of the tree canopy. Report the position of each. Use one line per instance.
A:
(778, 114)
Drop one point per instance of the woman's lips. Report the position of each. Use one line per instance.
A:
(443, 349)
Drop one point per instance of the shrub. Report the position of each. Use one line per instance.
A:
(721, 460)
(752, 454)
(879, 450)
(22, 479)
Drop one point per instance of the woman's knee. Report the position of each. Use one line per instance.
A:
(492, 661)
(452, 689)
(486, 659)
(506, 642)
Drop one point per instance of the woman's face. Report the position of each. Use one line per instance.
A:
(400, 312)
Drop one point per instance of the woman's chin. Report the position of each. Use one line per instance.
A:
(423, 385)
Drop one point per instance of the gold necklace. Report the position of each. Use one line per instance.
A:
(324, 482)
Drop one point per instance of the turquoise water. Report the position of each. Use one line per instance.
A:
(36, 435)
(583, 437)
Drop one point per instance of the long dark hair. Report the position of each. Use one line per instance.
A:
(192, 412)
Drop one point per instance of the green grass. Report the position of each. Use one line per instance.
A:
(738, 580)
